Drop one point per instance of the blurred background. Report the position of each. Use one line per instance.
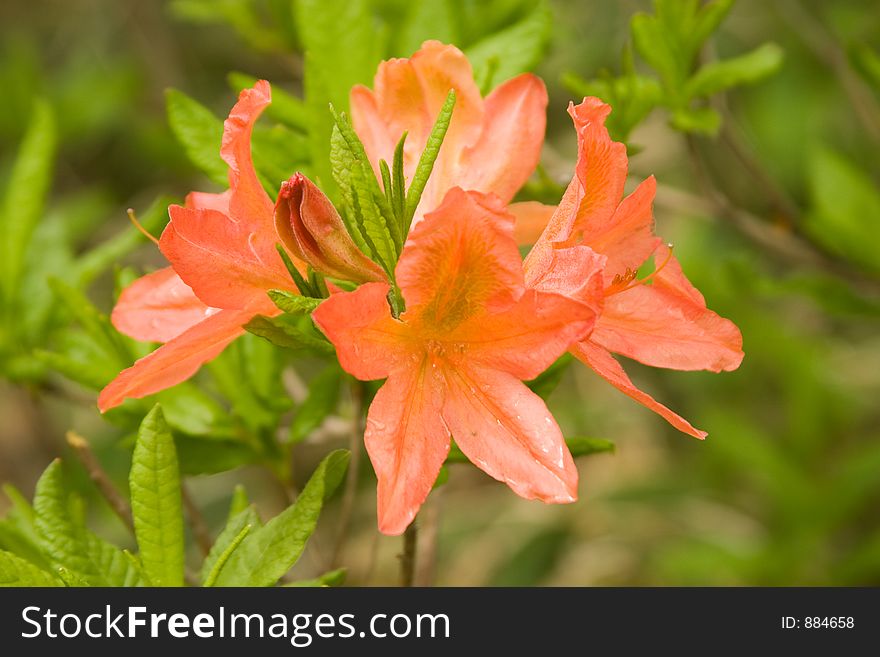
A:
(767, 177)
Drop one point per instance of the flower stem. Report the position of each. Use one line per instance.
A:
(408, 558)
(355, 446)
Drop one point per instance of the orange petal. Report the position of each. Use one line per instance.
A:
(531, 220)
(667, 324)
(528, 337)
(460, 261)
(597, 186)
(158, 307)
(408, 95)
(226, 263)
(369, 342)
(628, 237)
(248, 202)
(609, 369)
(208, 201)
(407, 442)
(576, 272)
(179, 358)
(509, 147)
(311, 229)
(507, 431)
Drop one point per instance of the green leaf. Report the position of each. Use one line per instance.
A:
(546, 382)
(156, 501)
(341, 49)
(330, 578)
(320, 402)
(26, 187)
(670, 39)
(199, 132)
(515, 49)
(199, 456)
(632, 96)
(15, 571)
(285, 107)
(239, 502)
(68, 544)
(95, 323)
(110, 252)
(582, 446)
(427, 159)
(701, 120)
(267, 553)
(427, 20)
(229, 539)
(846, 208)
(289, 331)
(293, 304)
(364, 197)
(745, 69)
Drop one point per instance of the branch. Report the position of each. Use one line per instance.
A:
(408, 558)
(84, 453)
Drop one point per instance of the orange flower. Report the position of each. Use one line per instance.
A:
(223, 260)
(311, 229)
(492, 145)
(455, 359)
(664, 323)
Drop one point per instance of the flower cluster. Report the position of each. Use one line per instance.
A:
(474, 320)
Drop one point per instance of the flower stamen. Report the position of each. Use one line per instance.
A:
(137, 224)
(627, 279)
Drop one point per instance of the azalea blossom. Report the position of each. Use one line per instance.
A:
(455, 359)
(223, 260)
(492, 145)
(660, 321)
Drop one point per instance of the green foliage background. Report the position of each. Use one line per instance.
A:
(762, 127)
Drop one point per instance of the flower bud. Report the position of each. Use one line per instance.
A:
(312, 230)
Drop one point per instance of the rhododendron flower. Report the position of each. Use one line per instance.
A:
(455, 359)
(492, 145)
(223, 260)
(662, 321)
(311, 229)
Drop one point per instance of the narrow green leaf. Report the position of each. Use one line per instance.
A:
(320, 402)
(230, 538)
(386, 183)
(95, 323)
(290, 332)
(15, 571)
(199, 132)
(398, 183)
(239, 502)
(24, 198)
(293, 304)
(379, 228)
(582, 446)
(267, 553)
(301, 284)
(745, 69)
(156, 501)
(427, 159)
